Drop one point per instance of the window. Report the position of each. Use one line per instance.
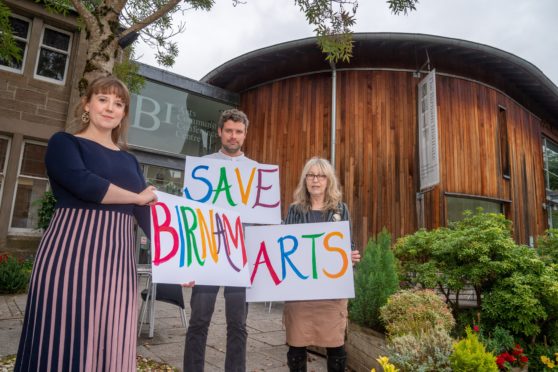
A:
(504, 145)
(32, 182)
(550, 154)
(21, 29)
(457, 205)
(4, 150)
(165, 179)
(53, 57)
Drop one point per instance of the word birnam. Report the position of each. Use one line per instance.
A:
(196, 236)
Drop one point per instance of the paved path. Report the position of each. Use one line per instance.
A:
(266, 337)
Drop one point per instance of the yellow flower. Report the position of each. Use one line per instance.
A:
(386, 365)
(547, 362)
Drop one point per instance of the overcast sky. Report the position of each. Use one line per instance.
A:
(526, 28)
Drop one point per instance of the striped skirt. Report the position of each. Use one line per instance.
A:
(82, 302)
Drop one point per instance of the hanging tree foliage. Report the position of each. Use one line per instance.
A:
(110, 24)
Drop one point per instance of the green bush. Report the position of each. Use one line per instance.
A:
(375, 280)
(14, 275)
(415, 311)
(499, 341)
(469, 355)
(426, 352)
(46, 209)
(547, 246)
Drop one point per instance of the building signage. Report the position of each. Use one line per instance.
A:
(174, 121)
(429, 164)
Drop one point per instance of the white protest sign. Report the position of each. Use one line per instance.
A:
(249, 188)
(300, 262)
(194, 241)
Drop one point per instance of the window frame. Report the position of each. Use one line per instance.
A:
(3, 171)
(24, 56)
(25, 230)
(549, 205)
(41, 46)
(504, 203)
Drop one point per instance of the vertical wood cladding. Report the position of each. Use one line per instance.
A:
(470, 151)
(289, 123)
(376, 146)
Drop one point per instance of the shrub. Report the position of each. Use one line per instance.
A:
(46, 209)
(415, 311)
(469, 355)
(547, 246)
(498, 341)
(14, 275)
(541, 355)
(375, 280)
(426, 352)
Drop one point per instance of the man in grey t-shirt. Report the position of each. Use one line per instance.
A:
(232, 129)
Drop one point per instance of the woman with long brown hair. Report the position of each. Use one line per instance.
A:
(82, 302)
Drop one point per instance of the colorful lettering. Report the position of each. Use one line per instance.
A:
(204, 180)
(343, 254)
(223, 186)
(158, 228)
(260, 187)
(245, 193)
(314, 268)
(285, 257)
(267, 262)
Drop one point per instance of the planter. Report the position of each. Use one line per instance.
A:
(363, 346)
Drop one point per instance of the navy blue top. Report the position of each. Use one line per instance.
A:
(80, 172)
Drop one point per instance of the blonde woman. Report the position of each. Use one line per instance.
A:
(317, 198)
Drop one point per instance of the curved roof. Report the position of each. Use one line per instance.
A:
(515, 76)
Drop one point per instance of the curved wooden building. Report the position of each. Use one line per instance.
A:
(497, 128)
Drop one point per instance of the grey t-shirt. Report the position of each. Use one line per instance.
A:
(222, 156)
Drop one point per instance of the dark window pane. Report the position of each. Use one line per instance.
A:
(51, 64)
(457, 205)
(33, 162)
(56, 39)
(19, 27)
(3, 153)
(25, 207)
(13, 63)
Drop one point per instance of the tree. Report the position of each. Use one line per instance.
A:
(112, 24)
(8, 46)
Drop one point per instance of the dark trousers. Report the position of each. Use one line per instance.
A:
(202, 305)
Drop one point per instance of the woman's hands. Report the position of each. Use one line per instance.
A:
(189, 284)
(355, 256)
(147, 196)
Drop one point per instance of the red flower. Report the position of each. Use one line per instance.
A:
(476, 328)
(517, 350)
(523, 359)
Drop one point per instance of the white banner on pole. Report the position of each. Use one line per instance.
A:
(249, 188)
(428, 132)
(194, 241)
(300, 262)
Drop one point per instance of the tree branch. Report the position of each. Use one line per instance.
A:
(86, 15)
(150, 19)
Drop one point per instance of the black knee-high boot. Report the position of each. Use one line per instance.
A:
(336, 359)
(296, 359)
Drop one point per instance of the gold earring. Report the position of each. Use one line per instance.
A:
(85, 117)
